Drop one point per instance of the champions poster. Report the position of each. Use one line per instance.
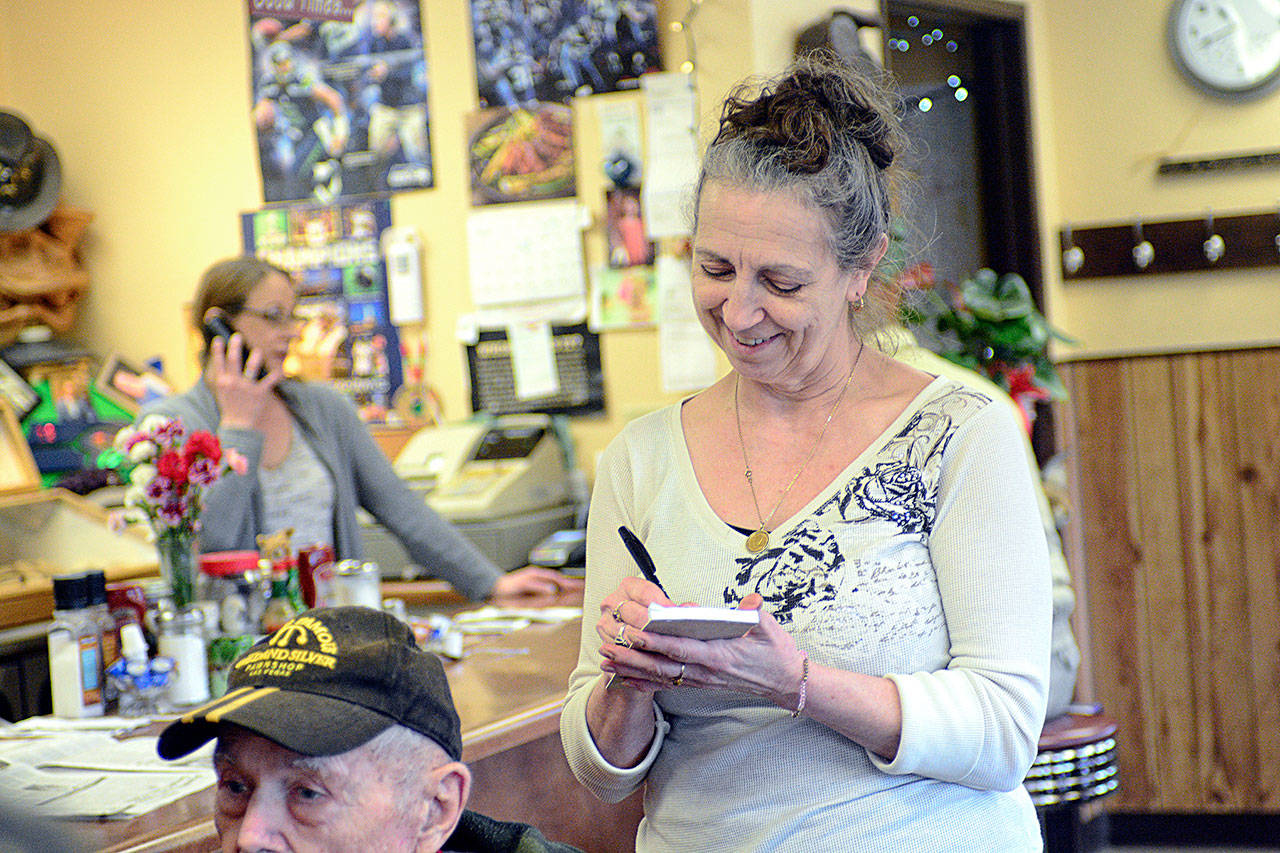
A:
(339, 98)
(346, 338)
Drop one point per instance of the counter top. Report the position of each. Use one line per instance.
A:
(508, 689)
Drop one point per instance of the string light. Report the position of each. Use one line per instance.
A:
(685, 25)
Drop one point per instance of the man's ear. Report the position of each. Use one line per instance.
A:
(445, 796)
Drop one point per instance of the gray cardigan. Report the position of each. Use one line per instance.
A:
(362, 476)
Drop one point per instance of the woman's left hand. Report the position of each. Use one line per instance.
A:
(533, 580)
(765, 662)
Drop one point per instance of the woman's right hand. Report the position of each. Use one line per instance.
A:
(241, 396)
(633, 596)
(620, 711)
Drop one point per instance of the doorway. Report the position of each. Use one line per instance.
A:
(962, 70)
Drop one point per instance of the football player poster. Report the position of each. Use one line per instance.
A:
(339, 98)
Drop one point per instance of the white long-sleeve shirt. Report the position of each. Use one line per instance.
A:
(923, 561)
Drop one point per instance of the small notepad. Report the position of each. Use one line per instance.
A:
(701, 623)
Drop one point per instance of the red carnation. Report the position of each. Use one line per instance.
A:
(172, 465)
(203, 443)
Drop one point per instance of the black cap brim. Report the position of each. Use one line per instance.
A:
(306, 723)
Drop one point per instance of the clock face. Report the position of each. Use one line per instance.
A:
(1228, 47)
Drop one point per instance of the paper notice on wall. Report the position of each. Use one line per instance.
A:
(670, 100)
(533, 359)
(526, 252)
(687, 355)
(620, 140)
(402, 249)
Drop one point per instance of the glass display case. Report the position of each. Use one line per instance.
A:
(50, 532)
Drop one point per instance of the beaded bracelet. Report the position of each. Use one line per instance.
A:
(804, 683)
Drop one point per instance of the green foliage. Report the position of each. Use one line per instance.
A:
(989, 323)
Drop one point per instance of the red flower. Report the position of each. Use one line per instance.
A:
(172, 465)
(1022, 382)
(202, 443)
(917, 277)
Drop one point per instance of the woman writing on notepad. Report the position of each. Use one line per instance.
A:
(881, 519)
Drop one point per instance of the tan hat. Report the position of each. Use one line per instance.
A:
(30, 176)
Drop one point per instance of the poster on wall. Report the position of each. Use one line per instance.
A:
(529, 52)
(339, 98)
(346, 337)
(521, 153)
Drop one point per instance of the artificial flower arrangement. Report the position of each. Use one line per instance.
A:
(988, 323)
(171, 470)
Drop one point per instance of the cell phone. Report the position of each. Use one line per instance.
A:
(216, 326)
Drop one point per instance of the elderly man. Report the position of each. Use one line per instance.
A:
(338, 733)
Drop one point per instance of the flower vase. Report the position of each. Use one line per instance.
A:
(177, 553)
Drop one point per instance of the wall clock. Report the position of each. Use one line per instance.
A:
(1228, 48)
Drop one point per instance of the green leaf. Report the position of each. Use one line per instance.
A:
(997, 298)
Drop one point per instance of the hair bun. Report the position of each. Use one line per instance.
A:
(806, 114)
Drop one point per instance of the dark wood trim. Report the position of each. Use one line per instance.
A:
(1249, 241)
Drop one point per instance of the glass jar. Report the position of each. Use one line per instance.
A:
(182, 638)
(359, 583)
(233, 581)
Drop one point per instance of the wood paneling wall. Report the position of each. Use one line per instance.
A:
(1175, 476)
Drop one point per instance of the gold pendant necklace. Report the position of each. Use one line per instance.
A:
(759, 538)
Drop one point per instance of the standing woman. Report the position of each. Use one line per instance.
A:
(880, 518)
(311, 459)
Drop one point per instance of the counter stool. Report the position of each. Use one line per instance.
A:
(1076, 764)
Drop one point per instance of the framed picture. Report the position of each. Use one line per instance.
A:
(17, 466)
(130, 386)
(15, 391)
(629, 243)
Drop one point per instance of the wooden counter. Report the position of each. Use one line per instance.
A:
(509, 690)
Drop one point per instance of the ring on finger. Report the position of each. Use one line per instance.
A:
(621, 639)
(616, 613)
(679, 679)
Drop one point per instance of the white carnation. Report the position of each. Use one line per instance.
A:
(143, 474)
(142, 451)
(151, 423)
(123, 436)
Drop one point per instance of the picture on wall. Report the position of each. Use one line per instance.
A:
(339, 98)
(629, 243)
(552, 51)
(621, 298)
(346, 337)
(521, 153)
(130, 386)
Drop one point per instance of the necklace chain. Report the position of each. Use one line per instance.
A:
(759, 539)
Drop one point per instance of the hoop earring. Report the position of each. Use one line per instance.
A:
(857, 306)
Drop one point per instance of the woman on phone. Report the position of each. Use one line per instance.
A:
(311, 460)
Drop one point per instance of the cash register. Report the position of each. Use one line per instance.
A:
(502, 482)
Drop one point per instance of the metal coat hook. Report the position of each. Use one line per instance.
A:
(1143, 252)
(1214, 245)
(1073, 255)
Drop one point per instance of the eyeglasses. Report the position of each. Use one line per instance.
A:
(275, 316)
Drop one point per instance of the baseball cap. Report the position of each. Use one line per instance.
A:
(326, 682)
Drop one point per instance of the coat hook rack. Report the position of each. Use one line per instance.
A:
(1143, 247)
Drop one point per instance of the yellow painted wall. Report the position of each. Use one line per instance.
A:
(147, 104)
(1117, 104)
